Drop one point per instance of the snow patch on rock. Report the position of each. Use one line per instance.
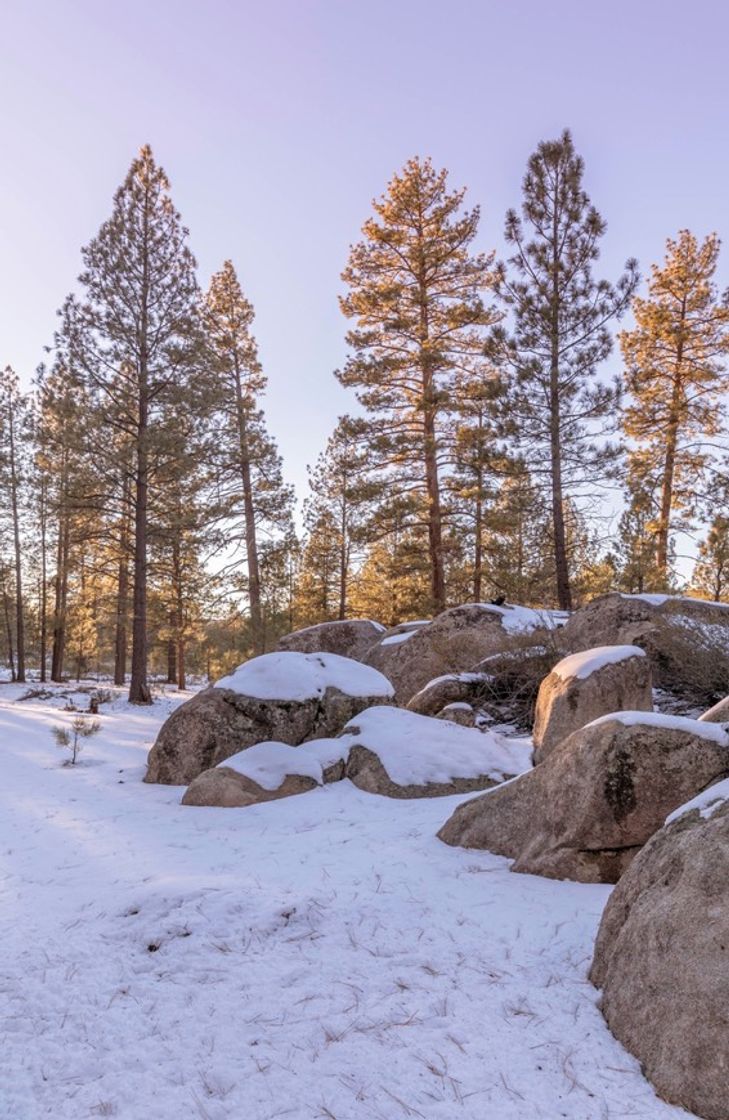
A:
(304, 676)
(395, 639)
(326, 751)
(707, 802)
(713, 731)
(417, 750)
(269, 764)
(522, 620)
(578, 666)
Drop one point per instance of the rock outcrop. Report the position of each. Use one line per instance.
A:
(265, 772)
(687, 640)
(398, 753)
(453, 642)
(662, 961)
(453, 688)
(349, 638)
(285, 697)
(587, 685)
(587, 810)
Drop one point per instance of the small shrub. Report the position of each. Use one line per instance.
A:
(691, 659)
(98, 697)
(71, 738)
(509, 692)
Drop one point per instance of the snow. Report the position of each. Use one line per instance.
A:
(579, 666)
(340, 622)
(269, 763)
(657, 600)
(395, 639)
(417, 749)
(521, 620)
(304, 676)
(318, 956)
(714, 731)
(707, 802)
(327, 751)
(646, 597)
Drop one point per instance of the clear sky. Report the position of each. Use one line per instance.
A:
(278, 121)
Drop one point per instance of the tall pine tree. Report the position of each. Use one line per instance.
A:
(676, 376)
(135, 335)
(557, 406)
(255, 500)
(416, 294)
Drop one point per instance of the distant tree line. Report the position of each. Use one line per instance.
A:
(147, 529)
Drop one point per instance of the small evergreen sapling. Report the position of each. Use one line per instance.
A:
(71, 738)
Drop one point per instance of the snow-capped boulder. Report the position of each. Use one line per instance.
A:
(264, 772)
(599, 796)
(285, 697)
(351, 637)
(719, 713)
(453, 688)
(687, 640)
(453, 642)
(401, 754)
(585, 686)
(662, 959)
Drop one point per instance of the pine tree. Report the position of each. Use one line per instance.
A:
(14, 439)
(336, 515)
(518, 543)
(61, 457)
(255, 499)
(416, 295)
(318, 580)
(557, 407)
(135, 335)
(675, 374)
(711, 571)
(634, 548)
(479, 464)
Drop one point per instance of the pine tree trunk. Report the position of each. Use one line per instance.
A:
(561, 566)
(139, 688)
(139, 692)
(435, 525)
(178, 614)
(249, 514)
(172, 651)
(343, 564)
(122, 594)
(564, 593)
(181, 671)
(61, 595)
(80, 650)
(478, 531)
(9, 631)
(669, 467)
(19, 606)
(43, 597)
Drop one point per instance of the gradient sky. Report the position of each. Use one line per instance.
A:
(278, 122)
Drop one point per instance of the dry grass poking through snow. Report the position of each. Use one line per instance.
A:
(319, 957)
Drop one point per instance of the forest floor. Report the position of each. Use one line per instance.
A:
(323, 956)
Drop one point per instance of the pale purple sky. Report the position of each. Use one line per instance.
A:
(278, 122)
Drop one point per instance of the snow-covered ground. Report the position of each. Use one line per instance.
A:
(319, 957)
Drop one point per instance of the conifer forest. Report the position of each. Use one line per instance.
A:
(150, 532)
